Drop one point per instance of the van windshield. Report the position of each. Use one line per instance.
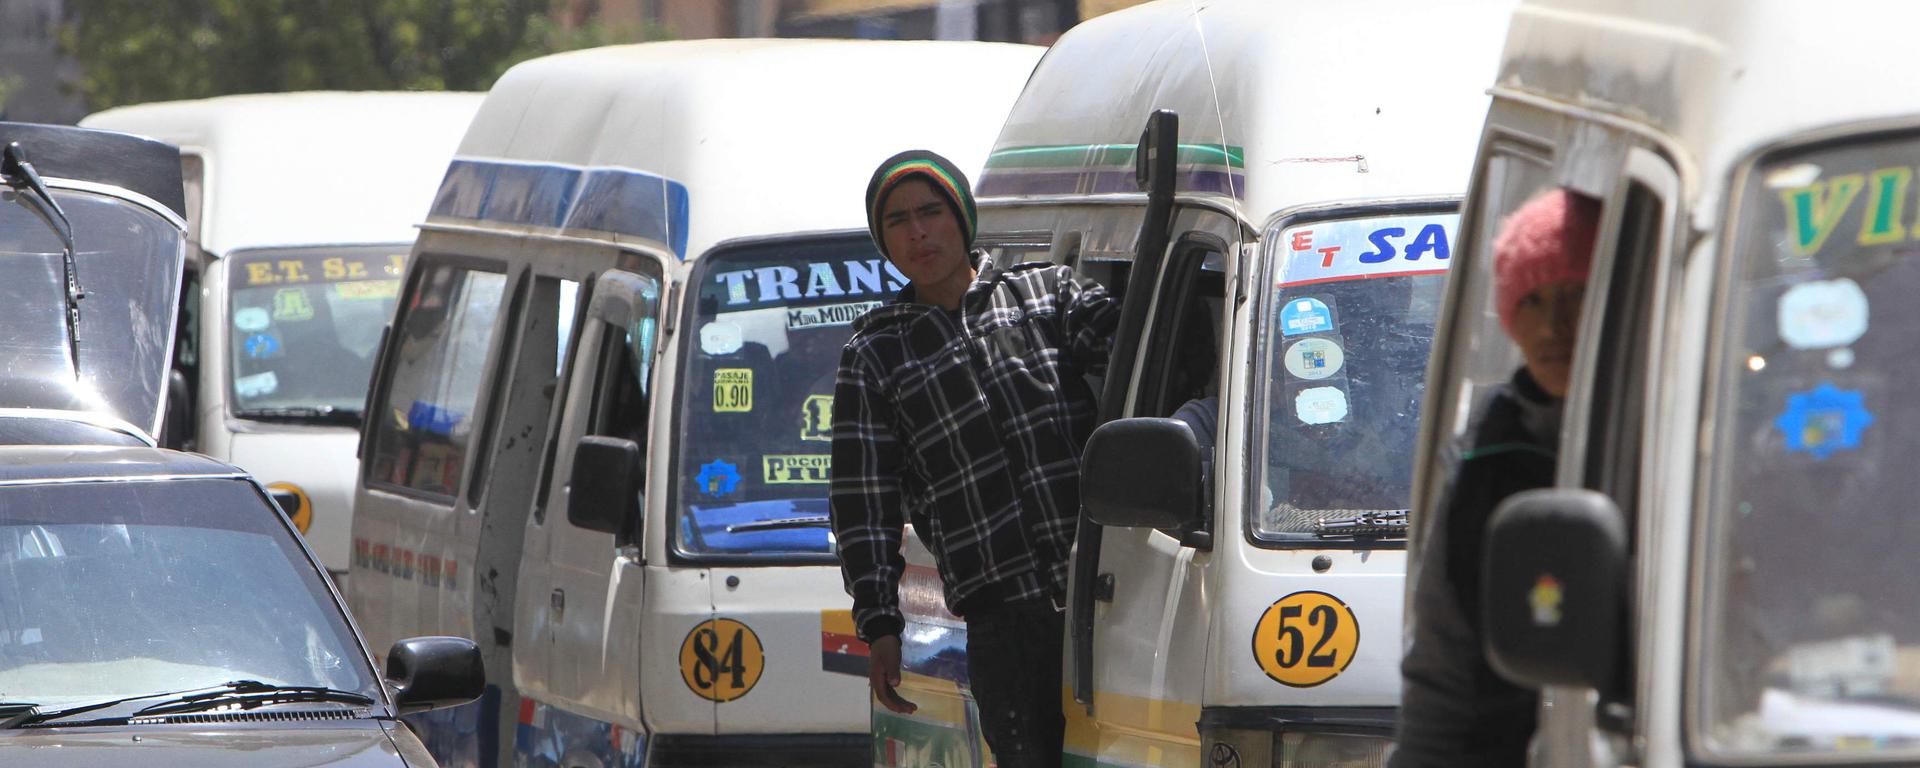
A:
(302, 327)
(756, 393)
(1347, 330)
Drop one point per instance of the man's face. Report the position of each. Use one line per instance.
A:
(1544, 325)
(922, 234)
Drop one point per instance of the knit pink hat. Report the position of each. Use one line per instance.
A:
(1548, 239)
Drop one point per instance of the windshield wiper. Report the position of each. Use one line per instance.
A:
(1381, 523)
(12, 712)
(803, 521)
(248, 694)
(19, 174)
(325, 414)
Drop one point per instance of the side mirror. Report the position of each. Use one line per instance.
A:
(1553, 588)
(428, 673)
(1143, 473)
(604, 491)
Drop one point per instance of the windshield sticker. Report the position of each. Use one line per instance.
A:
(830, 315)
(733, 390)
(1315, 359)
(1545, 599)
(1308, 315)
(718, 478)
(1822, 314)
(309, 269)
(368, 290)
(721, 660)
(257, 385)
(1352, 249)
(1824, 421)
(818, 280)
(252, 319)
(1840, 359)
(1321, 405)
(1305, 639)
(292, 304)
(816, 418)
(262, 346)
(720, 338)
(804, 469)
(1847, 667)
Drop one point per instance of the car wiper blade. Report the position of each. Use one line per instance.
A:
(1372, 523)
(18, 173)
(35, 716)
(248, 694)
(325, 414)
(12, 712)
(803, 521)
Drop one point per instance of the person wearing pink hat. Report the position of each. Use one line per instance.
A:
(1455, 710)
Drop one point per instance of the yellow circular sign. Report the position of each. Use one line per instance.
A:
(1305, 639)
(721, 659)
(302, 512)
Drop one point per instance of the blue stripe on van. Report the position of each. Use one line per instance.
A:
(604, 200)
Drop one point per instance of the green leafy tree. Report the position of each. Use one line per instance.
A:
(133, 51)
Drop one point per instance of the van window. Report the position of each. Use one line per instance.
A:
(303, 325)
(756, 397)
(439, 353)
(1810, 636)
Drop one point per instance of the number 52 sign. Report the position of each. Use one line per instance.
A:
(1305, 639)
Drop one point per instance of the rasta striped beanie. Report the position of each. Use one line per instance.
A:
(920, 164)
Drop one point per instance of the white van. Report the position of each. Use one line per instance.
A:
(1236, 596)
(599, 432)
(302, 206)
(1721, 575)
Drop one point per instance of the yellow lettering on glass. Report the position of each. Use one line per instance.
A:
(294, 271)
(809, 469)
(260, 273)
(1886, 199)
(1815, 209)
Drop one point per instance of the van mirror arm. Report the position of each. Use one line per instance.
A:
(17, 172)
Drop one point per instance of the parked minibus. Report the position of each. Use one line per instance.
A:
(1719, 575)
(598, 441)
(1235, 595)
(302, 208)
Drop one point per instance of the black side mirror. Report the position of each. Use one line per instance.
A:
(604, 491)
(1553, 588)
(428, 673)
(1143, 473)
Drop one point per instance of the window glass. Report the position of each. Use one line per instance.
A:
(756, 403)
(438, 359)
(303, 327)
(1348, 322)
(1811, 638)
(119, 589)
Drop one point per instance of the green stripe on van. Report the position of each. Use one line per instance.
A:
(1103, 155)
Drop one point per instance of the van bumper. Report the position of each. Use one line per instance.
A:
(808, 750)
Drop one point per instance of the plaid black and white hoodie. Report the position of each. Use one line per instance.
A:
(969, 425)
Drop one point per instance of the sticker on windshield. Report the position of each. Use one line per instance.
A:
(257, 385)
(1847, 667)
(721, 660)
(803, 469)
(733, 390)
(717, 478)
(1315, 359)
(292, 304)
(816, 418)
(720, 338)
(1386, 246)
(828, 316)
(1307, 315)
(1321, 405)
(1822, 314)
(368, 290)
(252, 319)
(261, 346)
(779, 284)
(1824, 421)
(1305, 639)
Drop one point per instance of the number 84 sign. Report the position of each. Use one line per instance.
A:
(1305, 639)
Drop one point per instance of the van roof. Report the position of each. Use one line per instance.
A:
(685, 144)
(1720, 78)
(1282, 102)
(291, 169)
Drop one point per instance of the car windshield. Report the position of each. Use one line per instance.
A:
(128, 260)
(1347, 330)
(303, 324)
(1810, 638)
(115, 589)
(756, 396)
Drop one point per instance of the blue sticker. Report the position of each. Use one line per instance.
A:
(1305, 316)
(1824, 421)
(261, 346)
(718, 478)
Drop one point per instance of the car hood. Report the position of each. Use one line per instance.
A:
(354, 743)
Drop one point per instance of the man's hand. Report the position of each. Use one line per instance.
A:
(883, 673)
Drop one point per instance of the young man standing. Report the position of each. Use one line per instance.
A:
(960, 407)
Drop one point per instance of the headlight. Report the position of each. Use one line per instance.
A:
(1309, 749)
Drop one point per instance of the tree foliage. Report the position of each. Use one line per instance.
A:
(133, 51)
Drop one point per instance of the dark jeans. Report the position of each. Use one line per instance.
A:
(1013, 664)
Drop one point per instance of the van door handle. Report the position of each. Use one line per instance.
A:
(1103, 588)
(557, 602)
